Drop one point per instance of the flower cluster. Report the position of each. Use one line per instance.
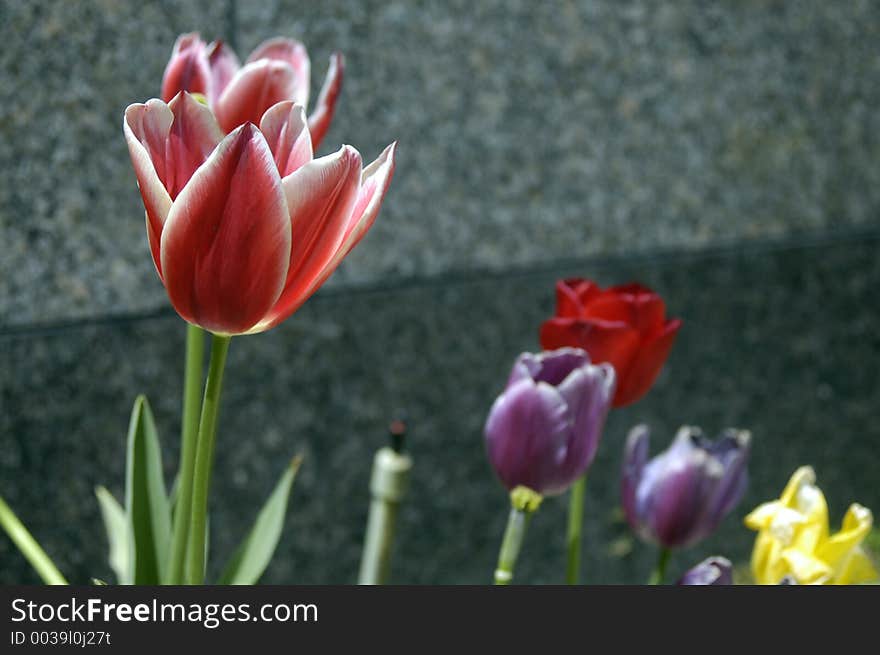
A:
(605, 348)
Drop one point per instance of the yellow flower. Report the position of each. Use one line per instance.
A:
(794, 540)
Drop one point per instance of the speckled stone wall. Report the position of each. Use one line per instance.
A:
(528, 130)
(725, 153)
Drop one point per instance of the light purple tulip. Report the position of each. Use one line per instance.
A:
(680, 496)
(711, 571)
(543, 431)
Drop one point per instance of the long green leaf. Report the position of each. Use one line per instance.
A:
(146, 503)
(255, 552)
(28, 546)
(116, 525)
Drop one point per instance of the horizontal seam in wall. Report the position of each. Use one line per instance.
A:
(805, 241)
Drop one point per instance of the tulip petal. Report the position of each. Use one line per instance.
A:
(671, 495)
(856, 526)
(732, 452)
(648, 310)
(761, 517)
(226, 244)
(292, 53)
(287, 134)
(610, 307)
(588, 392)
(192, 138)
(615, 343)
(766, 561)
(803, 476)
(805, 568)
(572, 295)
(322, 114)
(375, 180)
(635, 458)
(646, 365)
(188, 68)
(255, 88)
(223, 64)
(526, 435)
(711, 571)
(320, 196)
(374, 184)
(167, 143)
(146, 128)
(552, 367)
(857, 569)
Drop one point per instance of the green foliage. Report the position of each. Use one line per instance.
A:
(146, 503)
(255, 552)
(116, 525)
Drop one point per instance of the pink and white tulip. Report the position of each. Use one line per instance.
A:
(278, 70)
(244, 228)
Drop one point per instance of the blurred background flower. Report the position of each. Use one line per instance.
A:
(625, 326)
(794, 540)
(681, 495)
(543, 430)
(711, 571)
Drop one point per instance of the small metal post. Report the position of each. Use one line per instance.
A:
(388, 485)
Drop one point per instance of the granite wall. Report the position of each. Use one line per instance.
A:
(724, 153)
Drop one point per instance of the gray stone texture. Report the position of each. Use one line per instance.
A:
(774, 341)
(71, 219)
(528, 131)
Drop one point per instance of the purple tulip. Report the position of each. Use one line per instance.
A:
(543, 431)
(711, 571)
(680, 496)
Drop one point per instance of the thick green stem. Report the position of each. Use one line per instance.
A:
(575, 527)
(29, 546)
(189, 432)
(660, 570)
(195, 573)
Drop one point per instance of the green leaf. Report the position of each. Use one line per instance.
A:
(116, 524)
(146, 503)
(172, 497)
(255, 552)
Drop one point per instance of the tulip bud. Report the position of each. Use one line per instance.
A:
(711, 571)
(543, 430)
(680, 496)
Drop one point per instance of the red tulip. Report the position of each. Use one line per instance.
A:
(624, 326)
(277, 70)
(244, 228)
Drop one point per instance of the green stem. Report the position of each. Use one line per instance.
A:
(660, 570)
(29, 546)
(204, 460)
(189, 432)
(510, 546)
(523, 503)
(575, 527)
